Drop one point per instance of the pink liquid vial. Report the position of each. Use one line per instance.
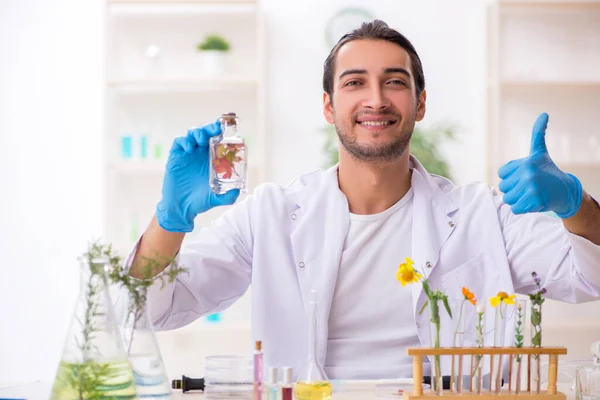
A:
(258, 370)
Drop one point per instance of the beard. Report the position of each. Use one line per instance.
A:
(382, 153)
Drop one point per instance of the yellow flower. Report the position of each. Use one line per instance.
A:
(407, 274)
(469, 295)
(502, 297)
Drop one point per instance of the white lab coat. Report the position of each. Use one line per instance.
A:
(286, 240)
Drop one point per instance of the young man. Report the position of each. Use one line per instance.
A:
(344, 231)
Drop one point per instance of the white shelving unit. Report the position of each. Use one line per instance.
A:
(544, 56)
(157, 87)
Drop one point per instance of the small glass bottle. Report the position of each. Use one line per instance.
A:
(258, 370)
(313, 383)
(228, 157)
(286, 387)
(272, 383)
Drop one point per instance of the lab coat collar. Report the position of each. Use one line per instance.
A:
(321, 223)
(433, 223)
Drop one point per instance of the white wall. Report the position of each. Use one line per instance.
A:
(50, 172)
(51, 125)
(450, 41)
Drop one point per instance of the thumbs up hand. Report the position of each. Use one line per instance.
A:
(536, 184)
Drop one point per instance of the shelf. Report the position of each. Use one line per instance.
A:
(218, 83)
(177, 2)
(549, 3)
(134, 167)
(189, 8)
(516, 83)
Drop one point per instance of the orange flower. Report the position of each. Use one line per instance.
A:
(469, 295)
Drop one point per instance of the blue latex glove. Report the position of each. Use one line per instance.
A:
(186, 191)
(535, 184)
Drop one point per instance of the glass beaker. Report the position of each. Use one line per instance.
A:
(142, 348)
(93, 364)
(228, 377)
(587, 385)
(313, 383)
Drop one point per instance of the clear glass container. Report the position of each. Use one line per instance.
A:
(228, 377)
(313, 383)
(518, 367)
(94, 363)
(228, 157)
(142, 349)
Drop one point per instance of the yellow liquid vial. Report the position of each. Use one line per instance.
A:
(317, 390)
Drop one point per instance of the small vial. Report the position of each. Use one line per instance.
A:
(286, 387)
(258, 370)
(272, 383)
(228, 157)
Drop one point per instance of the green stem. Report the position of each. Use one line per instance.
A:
(437, 358)
(462, 306)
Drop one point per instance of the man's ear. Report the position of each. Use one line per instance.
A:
(421, 105)
(328, 108)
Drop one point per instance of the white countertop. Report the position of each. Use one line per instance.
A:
(358, 390)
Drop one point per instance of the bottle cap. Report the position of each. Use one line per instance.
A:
(287, 375)
(273, 375)
(258, 345)
(229, 118)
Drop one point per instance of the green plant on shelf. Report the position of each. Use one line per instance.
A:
(214, 42)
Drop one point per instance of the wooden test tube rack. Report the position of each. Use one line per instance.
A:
(507, 392)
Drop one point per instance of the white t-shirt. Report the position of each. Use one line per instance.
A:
(371, 320)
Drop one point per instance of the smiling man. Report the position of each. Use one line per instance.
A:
(343, 232)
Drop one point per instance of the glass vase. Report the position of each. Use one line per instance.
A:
(536, 341)
(142, 349)
(459, 311)
(94, 363)
(434, 334)
(476, 381)
(502, 314)
(518, 364)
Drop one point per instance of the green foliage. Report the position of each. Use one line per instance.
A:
(424, 145)
(537, 299)
(519, 328)
(89, 377)
(214, 42)
(138, 288)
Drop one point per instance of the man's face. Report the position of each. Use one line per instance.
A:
(374, 105)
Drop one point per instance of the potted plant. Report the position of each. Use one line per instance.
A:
(213, 49)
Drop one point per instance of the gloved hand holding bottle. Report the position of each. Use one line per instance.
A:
(186, 191)
(536, 184)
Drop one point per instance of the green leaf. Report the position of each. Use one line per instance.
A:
(423, 308)
(536, 317)
(426, 288)
(536, 340)
(445, 300)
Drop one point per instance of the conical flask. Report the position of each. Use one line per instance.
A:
(312, 383)
(93, 363)
(142, 348)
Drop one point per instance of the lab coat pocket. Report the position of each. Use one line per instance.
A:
(479, 274)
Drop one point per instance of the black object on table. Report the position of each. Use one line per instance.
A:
(186, 384)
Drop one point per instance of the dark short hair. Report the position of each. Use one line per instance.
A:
(374, 30)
